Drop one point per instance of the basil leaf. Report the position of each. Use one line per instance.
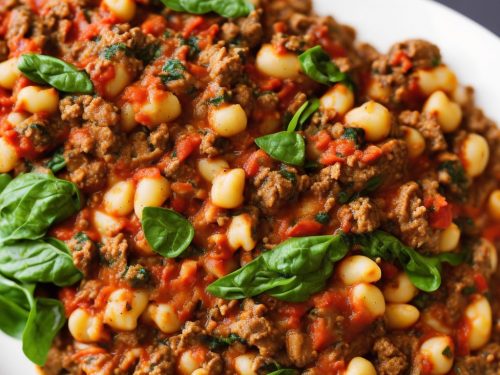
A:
(225, 8)
(316, 63)
(36, 320)
(216, 343)
(45, 69)
(48, 261)
(168, 232)
(292, 271)
(31, 203)
(302, 115)
(423, 271)
(284, 371)
(58, 162)
(288, 147)
(5, 179)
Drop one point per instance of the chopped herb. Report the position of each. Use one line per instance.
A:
(58, 162)
(469, 290)
(458, 177)
(218, 100)
(447, 352)
(148, 53)
(288, 175)
(436, 61)
(81, 237)
(347, 196)
(322, 218)
(192, 43)
(137, 275)
(357, 135)
(215, 343)
(422, 300)
(174, 69)
(109, 52)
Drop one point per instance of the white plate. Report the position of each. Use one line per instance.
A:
(469, 49)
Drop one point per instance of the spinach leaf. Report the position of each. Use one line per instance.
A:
(300, 267)
(288, 147)
(284, 371)
(423, 271)
(5, 179)
(36, 320)
(45, 69)
(316, 63)
(225, 8)
(31, 203)
(47, 261)
(302, 115)
(322, 218)
(109, 52)
(357, 135)
(292, 271)
(168, 232)
(58, 162)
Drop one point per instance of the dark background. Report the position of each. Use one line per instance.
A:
(485, 12)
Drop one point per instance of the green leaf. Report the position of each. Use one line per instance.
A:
(45, 69)
(168, 232)
(357, 135)
(215, 343)
(292, 271)
(370, 186)
(58, 162)
(174, 69)
(109, 52)
(225, 8)
(5, 179)
(36, 320)
(302, 115)
(173, 4)
(288, 147)
(48, 261)
(319, 66)
(423, 271)
(284, 371)
(31, 203)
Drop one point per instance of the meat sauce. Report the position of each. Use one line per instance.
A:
(161, 78)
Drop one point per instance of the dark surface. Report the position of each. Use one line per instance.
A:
(485, 12)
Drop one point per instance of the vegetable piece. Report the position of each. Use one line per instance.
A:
(319, 66)
(284, 371)
(36, 321)
(168, 232)
(303, 114)
(370, 186)
(288, 147)
(57, 73)
(215, 343)
(47, 261)
(225, 8)
(292, 271)
(5, 179)
(31, 203)
(423, 271)
(174, 69)
(357, 135)
(299, 267)
(58, 162)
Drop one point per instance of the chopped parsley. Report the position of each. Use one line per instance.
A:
(459, 180)
(219, 99)
(347, 195)
(174, 70)
(447, 352)
(215, 343)
(322, 218)
(288, 175)
(148, 53)
(192, 43)
(57, 162)
(469, 290)
(109, 52)
(357, 135)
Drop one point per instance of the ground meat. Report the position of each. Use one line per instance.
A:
(256, 329)
(410, 215)
(19, 23)
(95, 110)
(273, 189)
(421, 53)
(391, 166)
(299, 348)
(159, 361)
(251, 28)
(88, 175)
(191, 334)
(359, 216)
(144, 147)
(484, 258)
(484, 362)
(225, 66)
(428, 126)
(84, 253)
(211, 145)
(390, 360)
(326, 181)
(283, 10)
(43, 133)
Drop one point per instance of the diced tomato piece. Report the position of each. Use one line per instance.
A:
(322, 140)
(442, 218)
(305, 227)
(271, 84)
(255, 161)
(192, 25)
(155, 25)
(462, 338)
(492, 232)
(401, 59)
(182, 187)
(187, 145)
(151, 172)
(371, 154)
(320, 333)
(68, 298)
(481, 283)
